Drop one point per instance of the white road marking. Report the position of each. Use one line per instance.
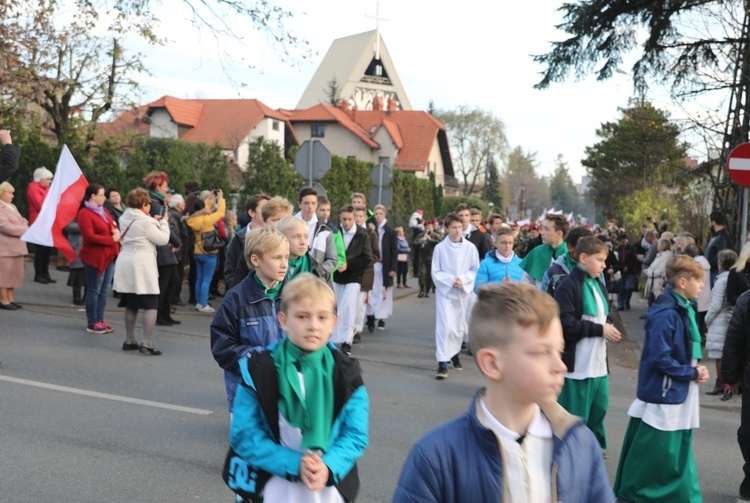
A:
(107, 396)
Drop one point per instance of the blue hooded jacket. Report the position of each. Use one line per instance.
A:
(665, 371)
(491, 270)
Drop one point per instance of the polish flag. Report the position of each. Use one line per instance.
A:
(60, 206)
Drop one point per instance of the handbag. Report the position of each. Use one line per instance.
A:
(211, 241)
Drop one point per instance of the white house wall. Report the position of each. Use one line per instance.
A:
(339, 141)
(162, 125)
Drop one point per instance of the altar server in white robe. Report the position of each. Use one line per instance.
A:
(455, 263)
(347, 280)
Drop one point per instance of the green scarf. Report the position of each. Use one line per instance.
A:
(693, 330)
(272, 292)
(592, 287)
(299, 265)
(313, 414)
(158, 195)
(540, 258)
(569, 262)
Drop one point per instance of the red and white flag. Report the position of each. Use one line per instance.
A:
(60, 206)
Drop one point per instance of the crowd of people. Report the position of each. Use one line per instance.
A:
(532, 304)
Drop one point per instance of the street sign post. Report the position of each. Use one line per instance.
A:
(312, 160)
(381, 176)
(738, 166)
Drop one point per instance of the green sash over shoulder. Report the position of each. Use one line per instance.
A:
(540, 258)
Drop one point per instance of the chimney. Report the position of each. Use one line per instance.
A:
(377, 103)
(354, 113)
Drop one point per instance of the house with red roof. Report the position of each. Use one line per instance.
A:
(408, 140)
(233, 124)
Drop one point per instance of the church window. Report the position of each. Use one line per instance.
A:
(318, 131)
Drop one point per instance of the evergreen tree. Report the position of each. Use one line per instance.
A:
(333, 92)
(493, 190)
(563, 193)
(524, 188)
(640, 150)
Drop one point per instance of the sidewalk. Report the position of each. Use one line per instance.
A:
(627, 353)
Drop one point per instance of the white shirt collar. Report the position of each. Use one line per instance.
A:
(539, 426)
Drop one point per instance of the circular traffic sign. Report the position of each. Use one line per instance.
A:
(738, 164)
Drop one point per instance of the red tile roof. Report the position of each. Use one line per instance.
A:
(327, 113)
(225, 122)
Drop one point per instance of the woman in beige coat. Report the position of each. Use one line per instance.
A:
(136, 274)
(12, 249)
(655, 272)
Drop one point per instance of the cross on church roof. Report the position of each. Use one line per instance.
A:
(377, 19)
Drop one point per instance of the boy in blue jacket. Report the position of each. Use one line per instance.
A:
(516, 443)
(587, 328)
(656, 461)
(246, 319)
(500, 264)
(301, 414)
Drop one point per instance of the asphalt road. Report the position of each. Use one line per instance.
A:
(81, 421)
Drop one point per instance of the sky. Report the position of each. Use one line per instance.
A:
(473, 52)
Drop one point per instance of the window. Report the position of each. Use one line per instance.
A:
(318, 131)
(275, 126)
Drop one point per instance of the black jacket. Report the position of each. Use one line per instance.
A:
(358, 257)
(180, 228)
(719, 241)
(164, 254)
(628, 259)
(481, 240)
(235, 267)
(734, 358)
(9, 161)
(569, 296)
(737, 284)
(388, 254)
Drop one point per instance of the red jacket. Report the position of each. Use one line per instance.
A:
(35, 194)
(98, 248)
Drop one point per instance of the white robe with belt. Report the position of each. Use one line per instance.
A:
(449, 261)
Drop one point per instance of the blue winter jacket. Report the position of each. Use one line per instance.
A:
(665, 373)
(246, 320)
(460, 461)
(491, 270)
(254, 433)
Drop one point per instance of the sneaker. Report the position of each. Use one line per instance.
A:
(357, 338)
(442, 373)
(96, 328)
(346, 349)
(198, 307)
(456, 363)
(381, 324)
(107, 327)
(206, 309)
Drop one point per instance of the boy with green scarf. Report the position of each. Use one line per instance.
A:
(587, 328)
(538, 260)
(301, 413)
(297, 233)
(656, 461)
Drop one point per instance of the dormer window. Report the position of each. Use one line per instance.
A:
(318, 131)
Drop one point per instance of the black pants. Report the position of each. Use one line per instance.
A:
(42, 255)
(192, 278)
(181, 276)
(743, 432)
(169, 280)
(402, 272)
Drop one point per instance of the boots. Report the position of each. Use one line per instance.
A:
(77, 298)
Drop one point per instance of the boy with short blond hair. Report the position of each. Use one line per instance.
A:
(516, 444)
(246, 318)
(587, 328)
(274, 210)
(295, 230)
(301, 414)
(656, 460)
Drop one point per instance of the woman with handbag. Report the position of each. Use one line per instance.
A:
(136, 273)
(100, 246)
(207, 244)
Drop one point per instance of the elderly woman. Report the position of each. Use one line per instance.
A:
(36, 193)
(655, 272)
(101, 238)
(136, 274)
(12, 249)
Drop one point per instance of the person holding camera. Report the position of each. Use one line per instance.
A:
(202, 221)
(166, 260)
